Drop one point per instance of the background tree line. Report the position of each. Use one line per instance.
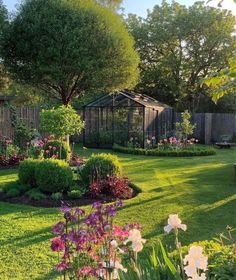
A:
(61, 57)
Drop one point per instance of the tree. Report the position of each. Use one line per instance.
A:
(68, 47)
(179, 47)
(61, 122)
(4, 79)
(114, 5)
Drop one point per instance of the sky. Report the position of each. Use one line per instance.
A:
(140, 7)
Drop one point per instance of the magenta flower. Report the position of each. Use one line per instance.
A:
(57, 245)
(62, 266)
(58, 228)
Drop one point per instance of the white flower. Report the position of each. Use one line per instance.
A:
(136, 239)
(115, 266)
(114, 243)
(194, 261)
(174, 222)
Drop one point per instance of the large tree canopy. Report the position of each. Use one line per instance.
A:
(68, 47)
(181, 46)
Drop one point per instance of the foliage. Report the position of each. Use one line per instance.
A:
(74, 194)
(197, 150)
(35, 194)
(223, 82)
(99, 166)
(57, 149)
(13, 192)
(112, 185)
(61, 121)
(184, 129)
(12, 150)
(114, 5)
(179, 48)
(27, 170)
(77, 45)
(22, 134)
(57, 196)
(4, 79)
(53, 175)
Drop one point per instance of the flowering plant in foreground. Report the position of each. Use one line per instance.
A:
(194, 264)
(91, 245)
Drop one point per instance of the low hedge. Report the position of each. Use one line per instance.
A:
(198, 151)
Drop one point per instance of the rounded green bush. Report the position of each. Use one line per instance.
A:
(55, 147)
(53, 175)
(27, 172)
(14, 192)
(101, 166)
(35, 194)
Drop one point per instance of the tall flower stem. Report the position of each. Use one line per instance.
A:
(179, 249)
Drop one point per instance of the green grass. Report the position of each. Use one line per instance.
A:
(199, 189)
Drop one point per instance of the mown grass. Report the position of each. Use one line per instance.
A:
(200, 189)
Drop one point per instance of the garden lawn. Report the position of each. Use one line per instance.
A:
(199, 189)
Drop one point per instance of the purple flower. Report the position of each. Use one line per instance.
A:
(97, 205)
(79, 212)
(65, 209)
(58, 228)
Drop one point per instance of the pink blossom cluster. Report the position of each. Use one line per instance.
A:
(91, 245)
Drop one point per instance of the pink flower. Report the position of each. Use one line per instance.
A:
(47, 151)
(62, 266)
(50, 147)
(54, 148)
(57, 245)
(86, 269)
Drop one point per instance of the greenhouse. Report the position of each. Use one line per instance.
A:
(125, 118)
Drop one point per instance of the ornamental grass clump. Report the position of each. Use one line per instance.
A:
(91, 245)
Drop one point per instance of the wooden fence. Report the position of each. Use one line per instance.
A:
(209, 126)
(30, 116)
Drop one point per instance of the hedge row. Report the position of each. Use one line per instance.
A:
(200, 151)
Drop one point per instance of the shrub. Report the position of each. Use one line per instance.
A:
(13, 192)
(100, 166)
(57, 196)
(27, 172)
(197, 151)
(35, 194)
(112, 185)
(53, 175)
(57, 149)
(75, 194)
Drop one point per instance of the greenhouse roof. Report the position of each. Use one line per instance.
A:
(116, 99)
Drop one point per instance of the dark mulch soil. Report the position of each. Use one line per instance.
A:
(49, 202)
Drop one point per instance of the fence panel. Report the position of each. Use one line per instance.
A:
(30, 116)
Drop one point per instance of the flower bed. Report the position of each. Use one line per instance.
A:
(99, 178)
(197, 150)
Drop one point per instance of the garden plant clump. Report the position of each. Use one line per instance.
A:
(92, 247)
(51, 181)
